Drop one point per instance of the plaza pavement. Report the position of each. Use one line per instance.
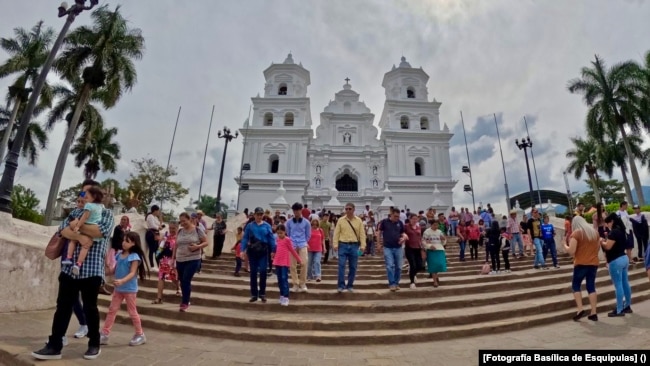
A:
(20, 333)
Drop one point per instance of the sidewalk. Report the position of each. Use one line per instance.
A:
(24, 332)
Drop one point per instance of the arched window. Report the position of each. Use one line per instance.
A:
(410, 92)
(268, 119)
(419, 167)
(424, 123)
(288, 119)
(346, 183)
(404, 123)
(282, 90)
(274, 163)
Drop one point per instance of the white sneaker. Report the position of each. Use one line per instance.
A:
(493, 272)
(412, 286)
(285, 302)
(415, 279)
(137, 340)
(82, 332)
(64, 341)
(303, 289)
(295, 289)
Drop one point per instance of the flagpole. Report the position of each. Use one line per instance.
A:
(503, 164)
(241, 165)
(532, 155)
(469, 165)
(171, 147)
(205, 154)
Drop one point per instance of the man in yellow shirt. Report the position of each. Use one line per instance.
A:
(349, 237)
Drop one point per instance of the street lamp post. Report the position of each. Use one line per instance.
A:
(11, 164)
(526, 144)
(228, 136)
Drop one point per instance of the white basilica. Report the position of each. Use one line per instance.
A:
(410, 155)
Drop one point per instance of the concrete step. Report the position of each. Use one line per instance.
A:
(475, 322)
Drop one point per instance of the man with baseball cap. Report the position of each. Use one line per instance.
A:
(257, 242)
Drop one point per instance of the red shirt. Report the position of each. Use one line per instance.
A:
(473, 232)
(306, 213)
(238, 249)
(316, 240)
(415, 236)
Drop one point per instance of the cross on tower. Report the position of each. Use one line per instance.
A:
(347, 81)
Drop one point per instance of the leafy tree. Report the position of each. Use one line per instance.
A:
(24, 204)
(613, 154)
(208, 205)
(609, 190)
(102, 55)
(121, 194)
(35, 140)
(27, 54)
(585, 160)
(152, 182)
(70, 194)
(99, 152)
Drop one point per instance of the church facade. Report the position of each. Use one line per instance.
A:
(410, 156)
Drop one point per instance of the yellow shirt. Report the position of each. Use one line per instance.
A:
(344, 233)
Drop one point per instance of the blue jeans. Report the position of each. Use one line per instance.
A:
(517, 239)
(258, 265)
(462, 249)
(370, 247)
(186, 271)
(549, 245)
(394, 259)
(313, 266)
(618, 272)
(539, 256)
(452, 230)
(283, 280)
(347, 253)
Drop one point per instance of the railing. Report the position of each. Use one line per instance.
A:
(348, 194)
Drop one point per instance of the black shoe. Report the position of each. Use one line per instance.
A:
(253, 299)
(92, 353)
(263, 298)
(579, 315)
(593, 318)
(615, 314)
(47, 353)
(628, 310)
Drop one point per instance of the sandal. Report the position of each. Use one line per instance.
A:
(157, 301)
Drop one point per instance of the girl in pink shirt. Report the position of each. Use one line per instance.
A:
(282, 262)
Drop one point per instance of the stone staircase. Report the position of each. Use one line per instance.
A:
(465, 304)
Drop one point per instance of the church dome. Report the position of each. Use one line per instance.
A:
(404, 63)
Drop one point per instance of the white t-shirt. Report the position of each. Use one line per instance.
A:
(153, 222)
(402, 217)
(625, 217)
(314, 216)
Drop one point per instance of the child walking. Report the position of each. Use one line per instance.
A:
(130, 265)
(91, 216)
(316, 249)
(505, 248)
(237, 250)
(282, 262)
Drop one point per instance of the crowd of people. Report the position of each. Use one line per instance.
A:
(295, 245)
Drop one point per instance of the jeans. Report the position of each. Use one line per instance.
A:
(494, 255)
(326, 256)
(581, 272)
(258, 265)
(473, 249)
(549, 245)
(506, 259)
(517, 239)
(237, 264)
(347, 253)
(393, 258)
(539, 257)
(79, 311)
(313, 266)
(462, 249)
(186, 271)
(414, 257)
(454, 225)
(69, 290)
(283, 280)
(618, 272)
(370, 246)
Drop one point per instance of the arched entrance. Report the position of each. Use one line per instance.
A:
(347, 183)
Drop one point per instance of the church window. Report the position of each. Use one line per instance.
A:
(282, 90)
(410, 92)
(288, 119)
(424, 123)
(404, 123)
(268, 119)
(347, 184)
(419, 167)
(274, 163)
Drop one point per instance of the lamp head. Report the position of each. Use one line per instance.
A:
(517, 141)
(236, 134)
(63, 9)
(94, 2)
(219, 134)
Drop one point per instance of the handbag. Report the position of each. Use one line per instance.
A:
(256, 248)
(54, 247)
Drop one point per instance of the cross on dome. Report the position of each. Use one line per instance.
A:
(347, 81)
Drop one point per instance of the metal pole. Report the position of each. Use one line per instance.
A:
(241, 166)
(469, 165)
(11, 164)
(569, 196)
(503, 164)
(532, 155)
(205, 154)
(223, 164)
(530, 180)
(171, 147)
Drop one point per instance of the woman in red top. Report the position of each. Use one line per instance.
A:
(282, 262)
(316, 249)
(473, 234)
(413, 247)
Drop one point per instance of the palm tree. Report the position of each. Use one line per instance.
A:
(67, 98)
(103, 56)
(644, 77)
(35, 139)
(612, 154)
(585, 160)
(614, 105)
(99, 152)
(27, 54)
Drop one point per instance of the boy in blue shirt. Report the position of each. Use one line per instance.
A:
(548, 236)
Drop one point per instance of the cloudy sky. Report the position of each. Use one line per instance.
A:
(512, 58)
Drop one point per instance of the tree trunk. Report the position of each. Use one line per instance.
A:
(626, 185)
(594, 181)
(633, 170)
(5, 139)
(63, 154)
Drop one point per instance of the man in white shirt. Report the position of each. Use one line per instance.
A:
(625, 217)
(402, 216)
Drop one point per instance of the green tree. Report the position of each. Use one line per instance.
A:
(27, 54)
(609, 189)
(35, 140)
(24, 204)
(67, 97)
(613, 97)
(103, 56)
(99, 152)
(70, 194)
(208, 205)
(152, 182)
(613, 155)
(119, 193)
(585, 159)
